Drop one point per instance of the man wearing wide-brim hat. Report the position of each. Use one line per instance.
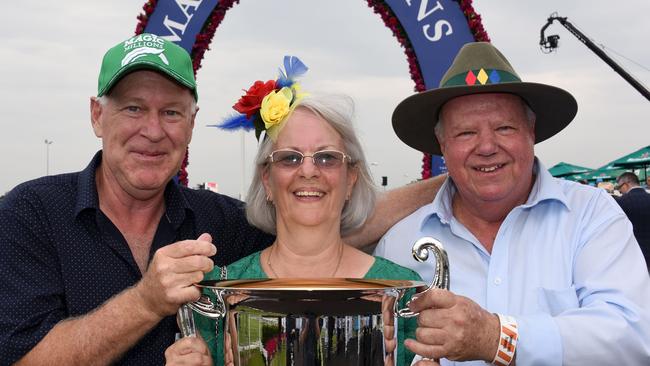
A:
(543, 271)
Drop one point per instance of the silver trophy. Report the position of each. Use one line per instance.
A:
(331, 321)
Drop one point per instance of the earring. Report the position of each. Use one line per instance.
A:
(268, 198)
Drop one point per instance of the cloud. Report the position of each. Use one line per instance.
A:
(52, 50)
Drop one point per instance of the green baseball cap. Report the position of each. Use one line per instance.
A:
(146, 51)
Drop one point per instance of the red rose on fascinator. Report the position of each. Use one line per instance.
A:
(251, 102)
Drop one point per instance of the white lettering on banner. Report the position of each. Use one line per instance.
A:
(186, 4)
(438, 27)
(172, 25)
(423, 12)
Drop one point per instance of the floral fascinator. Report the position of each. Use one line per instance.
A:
(266, 106)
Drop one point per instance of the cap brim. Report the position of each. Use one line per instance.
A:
(147, 65)
(415, 117)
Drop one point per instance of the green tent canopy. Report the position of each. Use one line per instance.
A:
(576, 177)
(635, 160)
(604, 174)
(607, 173)
(563, 169)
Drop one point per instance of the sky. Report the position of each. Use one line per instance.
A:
(50, 54)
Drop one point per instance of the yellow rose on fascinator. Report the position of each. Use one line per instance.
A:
(267, 105)
(276, 107)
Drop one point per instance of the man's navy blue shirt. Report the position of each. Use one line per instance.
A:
(60, 256)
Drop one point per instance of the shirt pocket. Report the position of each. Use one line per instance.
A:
(557, 301)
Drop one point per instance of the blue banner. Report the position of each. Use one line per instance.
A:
(437, 30)
(438, 165)
(180, 21)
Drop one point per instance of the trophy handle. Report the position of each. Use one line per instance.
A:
(420, 252)
(203, 306)
(185, 319)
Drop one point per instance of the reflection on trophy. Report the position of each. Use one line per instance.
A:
(331, 321)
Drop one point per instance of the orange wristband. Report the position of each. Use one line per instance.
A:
(507, 341)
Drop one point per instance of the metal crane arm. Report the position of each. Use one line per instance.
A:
(551, 42)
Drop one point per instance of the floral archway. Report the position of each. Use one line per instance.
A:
(204, 38)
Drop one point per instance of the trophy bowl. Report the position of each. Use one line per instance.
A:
(325, 321)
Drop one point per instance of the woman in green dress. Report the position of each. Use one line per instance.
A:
(311, 186)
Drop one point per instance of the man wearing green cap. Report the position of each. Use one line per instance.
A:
(542, 271)
(102, 259)
(96, 263)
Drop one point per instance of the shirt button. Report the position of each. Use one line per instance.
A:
(497, 281)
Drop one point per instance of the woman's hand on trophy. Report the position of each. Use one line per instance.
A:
(228, 356)
(453, 327)
(188, 351)
(388, 317)
(168, 282)
(423, 361)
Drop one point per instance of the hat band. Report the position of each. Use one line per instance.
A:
(481, 77)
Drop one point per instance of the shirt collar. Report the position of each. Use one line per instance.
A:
(635, 187)
(545, 188)
(87, 197)
(176, 204)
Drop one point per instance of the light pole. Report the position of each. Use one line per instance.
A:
(47, 156)
(383, 179)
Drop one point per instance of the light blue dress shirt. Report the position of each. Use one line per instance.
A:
(565, 264)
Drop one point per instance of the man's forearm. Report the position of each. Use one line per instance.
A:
(392, 206)
(97, 338)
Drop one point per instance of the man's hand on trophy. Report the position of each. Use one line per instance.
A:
(453, 327)
(168, 281)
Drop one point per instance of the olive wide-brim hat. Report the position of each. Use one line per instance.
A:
(480, 68)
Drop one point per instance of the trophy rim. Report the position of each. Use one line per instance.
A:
(311, 284)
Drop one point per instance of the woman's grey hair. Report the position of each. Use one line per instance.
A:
(530, 118)
(338, 112)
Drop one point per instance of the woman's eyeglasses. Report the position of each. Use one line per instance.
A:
(324, 159)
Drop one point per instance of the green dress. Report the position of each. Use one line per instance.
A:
(250, 267)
